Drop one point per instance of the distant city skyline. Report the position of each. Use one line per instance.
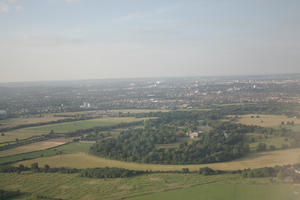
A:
(90, 39)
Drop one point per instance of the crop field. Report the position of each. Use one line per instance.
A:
(85, 124)
(31, 120)
(71, 186)
(266, 120)
(34, 147)
(74, 147)
(221, 191)
(254, 160)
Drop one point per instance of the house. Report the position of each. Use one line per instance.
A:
(193, 135)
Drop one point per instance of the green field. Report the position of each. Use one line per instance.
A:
(71, 186)
(266, 120)
(69, 148)
(276, 141)
(85, 124)
(221, 191)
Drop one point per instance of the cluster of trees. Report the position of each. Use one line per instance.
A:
(280, 172)
(35, 168)
(90, 172)
(4, 195)
(109, 172)
(206, 171)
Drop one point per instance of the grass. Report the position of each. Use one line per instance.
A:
(85, 124)
(266, 120)
(74, 147)
(254, 160)
(221, 191)
(276, 141)
(37, 146)
(71, 186)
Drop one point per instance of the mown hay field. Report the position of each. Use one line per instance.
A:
(254, 160)
(266, 120)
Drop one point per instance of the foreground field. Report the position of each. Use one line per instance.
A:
(71, 186)
(35, 146)
(255, 160)
(266, 120)
(221, 191)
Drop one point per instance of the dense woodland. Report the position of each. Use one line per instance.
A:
(224, 142)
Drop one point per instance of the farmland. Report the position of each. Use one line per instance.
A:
(147, 137)
(255, 160)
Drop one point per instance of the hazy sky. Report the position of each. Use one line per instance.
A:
(90, 39)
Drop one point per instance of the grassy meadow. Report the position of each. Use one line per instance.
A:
(266, 120)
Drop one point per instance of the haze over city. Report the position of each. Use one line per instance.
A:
(89, 39)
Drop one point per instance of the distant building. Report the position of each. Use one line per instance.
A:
(3, 112)
(225, 134)
(85, 105)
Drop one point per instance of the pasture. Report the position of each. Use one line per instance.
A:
(254, 160)
(276, 141)
(266, 120)
(221, 191)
